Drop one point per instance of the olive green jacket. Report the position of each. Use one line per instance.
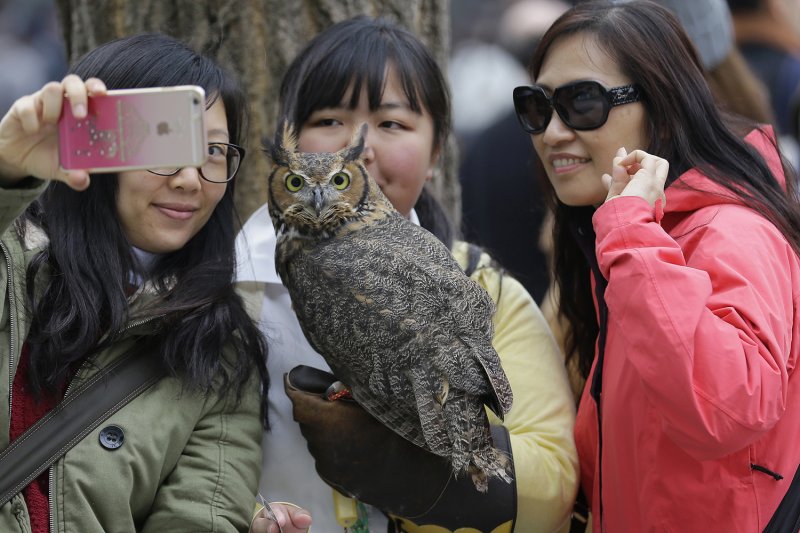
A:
(187, 462)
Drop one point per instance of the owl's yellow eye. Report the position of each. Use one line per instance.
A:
(295, 182)
(340, 181)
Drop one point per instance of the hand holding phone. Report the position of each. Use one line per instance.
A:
(28, 133)
(136, 129)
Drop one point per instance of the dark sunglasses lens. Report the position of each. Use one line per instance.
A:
(533, 109)
(582, 105)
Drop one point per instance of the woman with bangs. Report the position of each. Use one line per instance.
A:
(372, 71)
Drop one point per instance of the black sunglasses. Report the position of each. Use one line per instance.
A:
(582, 105)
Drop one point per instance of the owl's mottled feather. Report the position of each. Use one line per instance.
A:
(389, 308)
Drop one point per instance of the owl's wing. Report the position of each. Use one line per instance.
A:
(470, 308)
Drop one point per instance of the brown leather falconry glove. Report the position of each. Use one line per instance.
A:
(360, 457)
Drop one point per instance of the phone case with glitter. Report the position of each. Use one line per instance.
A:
(131, 129)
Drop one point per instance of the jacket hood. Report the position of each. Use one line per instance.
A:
(684, 194)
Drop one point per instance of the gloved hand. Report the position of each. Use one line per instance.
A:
(362, 458)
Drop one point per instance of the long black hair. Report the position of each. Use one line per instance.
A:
(685, 127)
(82, 305)
(357, 52)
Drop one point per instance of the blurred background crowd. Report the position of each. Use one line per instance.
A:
(751, 50)
(31, 48)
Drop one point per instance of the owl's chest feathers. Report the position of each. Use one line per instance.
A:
(387, 264)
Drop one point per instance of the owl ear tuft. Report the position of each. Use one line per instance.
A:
(284, 145)
(356, 146)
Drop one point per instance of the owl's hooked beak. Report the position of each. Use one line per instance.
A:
(318, 202)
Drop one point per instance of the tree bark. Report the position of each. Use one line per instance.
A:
(256, 39)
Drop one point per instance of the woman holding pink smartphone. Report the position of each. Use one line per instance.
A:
(135, 264)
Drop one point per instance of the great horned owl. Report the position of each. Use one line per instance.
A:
(388, 307)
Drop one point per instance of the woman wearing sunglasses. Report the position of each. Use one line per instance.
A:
(676, 235)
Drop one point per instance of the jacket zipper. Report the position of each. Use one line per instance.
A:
(12, 318)
(51, 478)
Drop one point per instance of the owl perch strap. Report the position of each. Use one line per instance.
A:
(407, 482)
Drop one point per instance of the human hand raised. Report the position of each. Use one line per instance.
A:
(637, 174)
(29, 132)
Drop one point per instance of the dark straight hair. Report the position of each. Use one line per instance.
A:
(357, 52)
(203, 333)
(685, 127)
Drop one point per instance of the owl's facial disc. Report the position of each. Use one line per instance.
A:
(327, 194)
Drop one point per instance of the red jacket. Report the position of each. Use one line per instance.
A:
(698, 381)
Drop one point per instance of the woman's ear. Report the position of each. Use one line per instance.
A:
(435, 153)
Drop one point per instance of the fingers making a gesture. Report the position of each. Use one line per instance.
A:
(637, 174)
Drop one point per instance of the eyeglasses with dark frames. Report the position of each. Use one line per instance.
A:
(221, 166)
(581, 105)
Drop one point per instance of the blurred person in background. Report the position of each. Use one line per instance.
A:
(770, 43)
(502, 207)
(737, 88)
(479, 99)
(30, 47)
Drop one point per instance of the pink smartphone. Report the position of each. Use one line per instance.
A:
(133, 129)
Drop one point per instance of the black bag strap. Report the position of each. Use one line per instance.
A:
(787, 516)
(92, 402)
(580, 513)
(473, 258)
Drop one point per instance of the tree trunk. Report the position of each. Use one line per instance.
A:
(257, 39)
